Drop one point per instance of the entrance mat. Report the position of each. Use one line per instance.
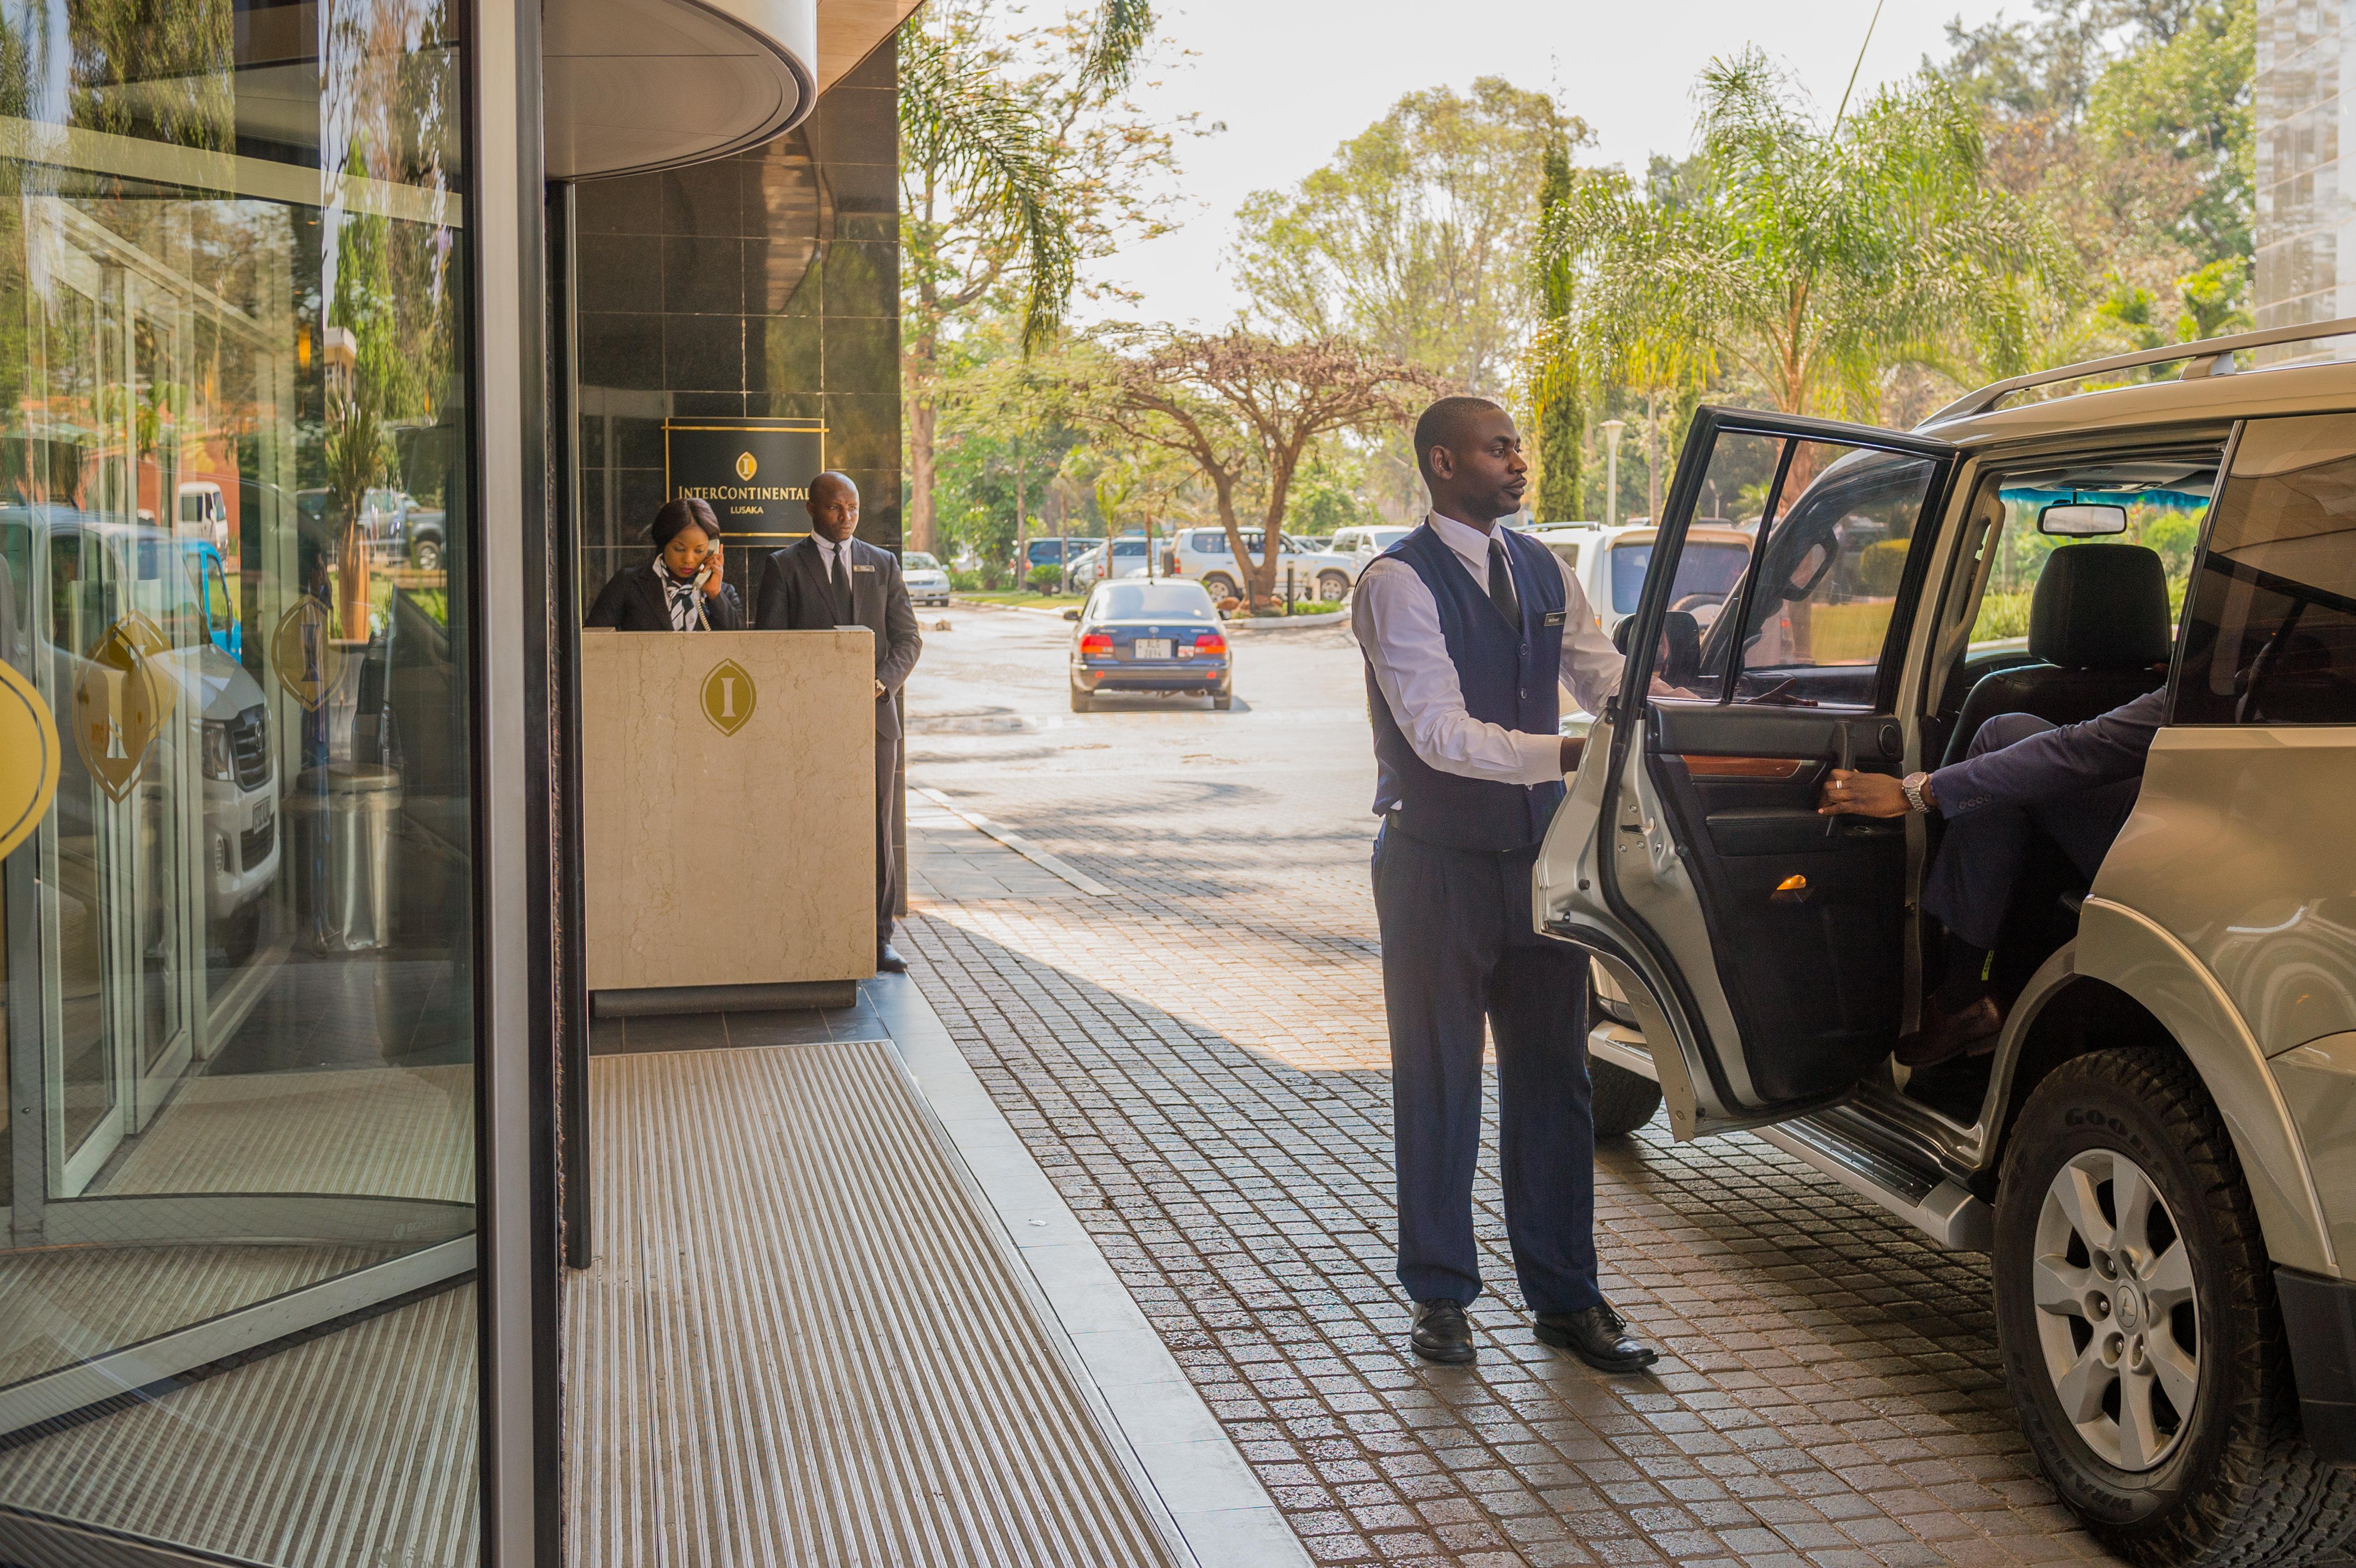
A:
(799, 1343)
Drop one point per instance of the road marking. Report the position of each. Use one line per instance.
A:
(1016, 842)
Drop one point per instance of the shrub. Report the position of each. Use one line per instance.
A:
(1880, 566)
(963, 579)
(1046, 578)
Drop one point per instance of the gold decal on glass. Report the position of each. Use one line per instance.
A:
(728, 697)
(122, 697)
(304, 654)
(28, 758)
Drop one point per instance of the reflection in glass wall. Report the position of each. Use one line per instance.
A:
(233, 537)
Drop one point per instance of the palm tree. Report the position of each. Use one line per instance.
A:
(982, 157)
(1814, 259)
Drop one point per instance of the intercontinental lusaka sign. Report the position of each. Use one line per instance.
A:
(755, 473)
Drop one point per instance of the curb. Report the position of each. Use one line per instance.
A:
(958, 603)
(1258, 625)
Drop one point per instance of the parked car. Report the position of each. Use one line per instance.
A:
(1054, 550)
(2158, 1152)
(928, 582)
(1203, 555)
(1609, 564)
(1360, 546)
(1150, 636)
(1128, 561)
(204, 512)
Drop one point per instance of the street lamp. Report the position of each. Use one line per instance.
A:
(1611, 429)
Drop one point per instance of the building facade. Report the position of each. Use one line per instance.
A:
(337, 345)
(2305, 236)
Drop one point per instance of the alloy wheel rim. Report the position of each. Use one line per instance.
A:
(2117, 1320)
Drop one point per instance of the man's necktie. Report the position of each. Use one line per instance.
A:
(840, 576)
(1501, 585)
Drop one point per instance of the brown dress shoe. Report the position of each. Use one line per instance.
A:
(1945, 1036)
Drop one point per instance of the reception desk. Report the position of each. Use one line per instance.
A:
(729, 809)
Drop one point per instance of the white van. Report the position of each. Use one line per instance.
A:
(1609, 564)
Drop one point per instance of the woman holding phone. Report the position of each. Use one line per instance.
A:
(683, 589)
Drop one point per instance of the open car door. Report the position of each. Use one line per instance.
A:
(1763, 945)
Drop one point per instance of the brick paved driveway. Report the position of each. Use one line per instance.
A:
(1198, 1061)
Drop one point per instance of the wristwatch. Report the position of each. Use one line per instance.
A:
(1918, 793)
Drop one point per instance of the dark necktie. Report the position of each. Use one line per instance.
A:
(839, 575)
(1501, 585)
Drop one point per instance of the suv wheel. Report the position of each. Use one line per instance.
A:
(426, 555)
(1623, 1101)
(2135, 1307)
(1332, 587)
(1219, 585)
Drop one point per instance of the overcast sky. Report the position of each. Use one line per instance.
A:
(1292, 78)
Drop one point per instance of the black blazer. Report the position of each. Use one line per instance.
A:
(631, 601)
(797, 597)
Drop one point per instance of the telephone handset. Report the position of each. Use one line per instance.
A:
(710, 564)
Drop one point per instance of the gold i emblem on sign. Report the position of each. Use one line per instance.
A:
(746, 467)
(728, 697)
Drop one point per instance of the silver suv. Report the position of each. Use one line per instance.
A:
(2161, 1151)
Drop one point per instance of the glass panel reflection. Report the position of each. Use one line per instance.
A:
(234, 530)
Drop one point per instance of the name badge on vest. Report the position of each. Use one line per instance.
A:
(862, 568)
(1554, 618)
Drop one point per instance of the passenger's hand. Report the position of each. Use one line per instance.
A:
(711, 565)
(1849, 793)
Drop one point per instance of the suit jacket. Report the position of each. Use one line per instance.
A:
(631, 600)
(2103, 750)
(797, 597)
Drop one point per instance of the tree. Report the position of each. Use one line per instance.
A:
(1012, 179)
(1556, 396)
(1245, 408)
(1816, 258)
(1415, 237)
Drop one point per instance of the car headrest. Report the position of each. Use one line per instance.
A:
(2101, 606)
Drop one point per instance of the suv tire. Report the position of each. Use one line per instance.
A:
(1622, 1101)
(1219, 585)
(1333, 587)
(2231, 1482)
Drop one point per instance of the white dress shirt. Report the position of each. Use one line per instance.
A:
(828, 549)
(1397, 623)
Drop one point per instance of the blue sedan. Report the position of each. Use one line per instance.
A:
(1150, 636)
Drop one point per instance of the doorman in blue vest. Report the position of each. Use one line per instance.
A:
(1470, 631)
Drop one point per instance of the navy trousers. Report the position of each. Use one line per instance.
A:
(1984, 852)
(1456, 946)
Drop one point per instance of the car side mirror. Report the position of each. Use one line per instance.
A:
(2074, 520)
(1071, 614)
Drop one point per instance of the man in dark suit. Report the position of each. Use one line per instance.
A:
(2076, 784)
(833, 578)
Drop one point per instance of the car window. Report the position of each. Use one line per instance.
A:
(1706, 572)
(1569, 555)
(1831, 560)
(2164, 514)
(221, 620)
(1385, 538)
(920, 561)
(1152, 600)
(2271, 638)
(1128, 547)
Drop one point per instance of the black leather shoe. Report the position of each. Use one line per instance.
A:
(1945, 1036)
(1599, 1336)
(1440, 1332)
(889, 962)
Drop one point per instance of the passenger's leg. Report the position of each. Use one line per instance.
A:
(2085, 824)
(1438, 916)
(1980, 857)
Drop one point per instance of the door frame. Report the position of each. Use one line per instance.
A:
(1612, 797)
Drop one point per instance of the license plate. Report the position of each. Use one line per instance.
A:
(261, 813)
(1150, 648)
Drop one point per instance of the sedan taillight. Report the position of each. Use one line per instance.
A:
(1210, 642)
(1096, 644)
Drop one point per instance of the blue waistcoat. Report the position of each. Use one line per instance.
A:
(1510, 675)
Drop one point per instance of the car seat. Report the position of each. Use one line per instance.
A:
(2099, 620)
